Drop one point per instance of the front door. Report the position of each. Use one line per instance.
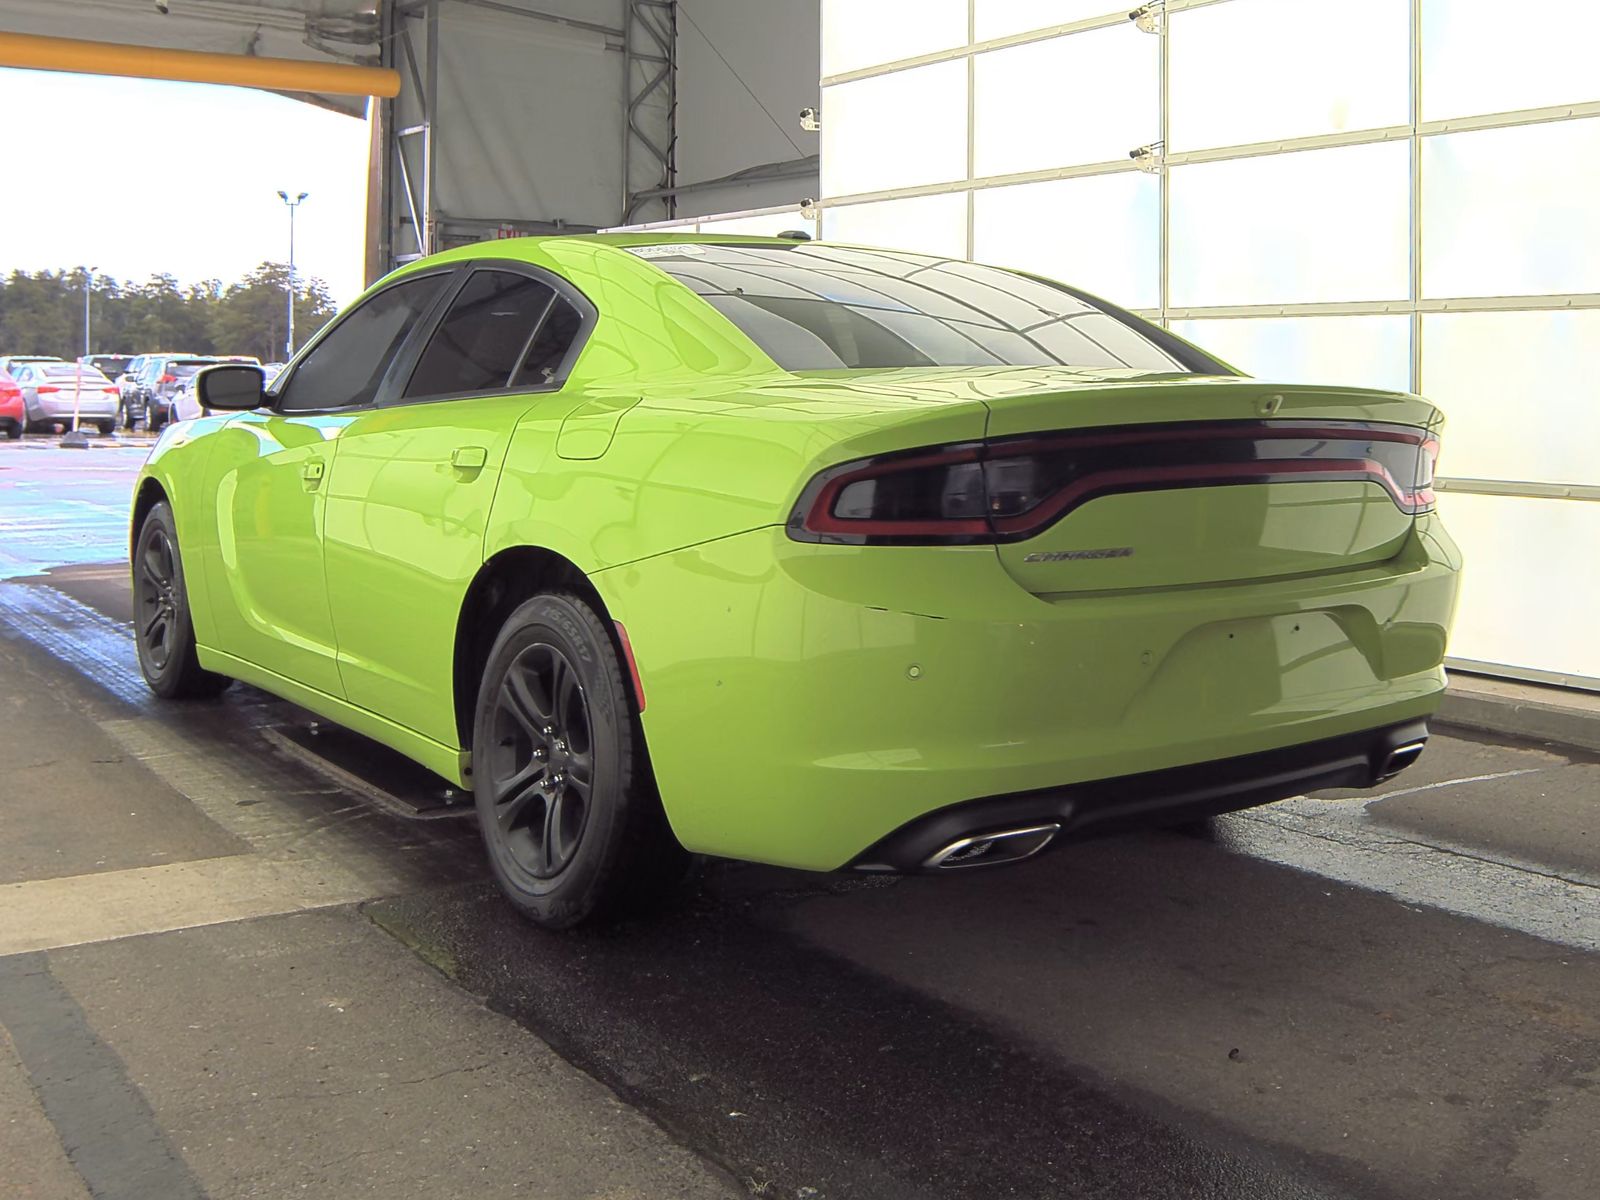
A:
(269, 472)
(413, 483)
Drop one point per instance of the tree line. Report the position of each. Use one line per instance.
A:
(42, 313)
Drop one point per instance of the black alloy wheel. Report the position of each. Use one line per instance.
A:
(162, 629)
(540, 760)
(566, 802)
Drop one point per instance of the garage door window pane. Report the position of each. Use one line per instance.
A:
(1521, 393)
(929, 224)
(1345, 351)
(1259, 70)
(1481, 56)
(1507, 543)
(1318, 225)
(1509, 212)
(1087, 97)
(1001, 18)
(895, 130)
(866, 33)
(1102, 234)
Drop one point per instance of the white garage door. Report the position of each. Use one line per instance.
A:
(1396, 193)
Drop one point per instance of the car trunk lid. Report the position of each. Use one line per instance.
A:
(1202, 481)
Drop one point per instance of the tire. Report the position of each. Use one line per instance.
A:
(566, 802)
(14, 430)
(106, 428)
(162, 629)
(124, 421)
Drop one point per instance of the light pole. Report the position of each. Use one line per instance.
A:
(75, 438)
(293, 204)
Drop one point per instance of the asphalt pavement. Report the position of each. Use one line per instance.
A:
(229, 969)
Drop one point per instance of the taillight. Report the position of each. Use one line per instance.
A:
(1422, 497)
(168, 379)
(46, 389)
(1011, 489)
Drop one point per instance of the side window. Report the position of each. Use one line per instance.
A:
(550, 345)
(346, 367)
(481, 338)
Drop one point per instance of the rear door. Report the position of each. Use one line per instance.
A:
(414, 480)
(268, 473)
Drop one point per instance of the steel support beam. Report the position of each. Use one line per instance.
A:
(649, 41)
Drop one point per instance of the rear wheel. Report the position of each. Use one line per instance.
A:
(14, 430)
(106, 428)
(570, 818)
(162, 627)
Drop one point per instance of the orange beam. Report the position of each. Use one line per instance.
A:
(195, 66)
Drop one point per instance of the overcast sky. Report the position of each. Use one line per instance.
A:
(137, 177)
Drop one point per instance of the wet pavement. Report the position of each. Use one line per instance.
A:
(277, 984)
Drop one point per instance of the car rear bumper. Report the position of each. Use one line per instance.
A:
(54, 408)
(999, 829)
(805, 702)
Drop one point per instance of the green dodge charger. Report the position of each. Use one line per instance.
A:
(818, 555)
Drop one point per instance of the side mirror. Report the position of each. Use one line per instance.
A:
(232, 388)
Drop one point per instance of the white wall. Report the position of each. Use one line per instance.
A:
(1325, 211)
(773, 46)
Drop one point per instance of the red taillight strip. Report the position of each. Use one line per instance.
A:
(814, 515)
(1146, 479)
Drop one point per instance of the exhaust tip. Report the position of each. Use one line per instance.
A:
(1400, 758)
(991, 849)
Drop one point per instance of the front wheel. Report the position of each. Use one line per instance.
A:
(162, 628)
(565, 798)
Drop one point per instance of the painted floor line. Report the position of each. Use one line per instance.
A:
(1342, 844)
(1444, 783)
(47, 914)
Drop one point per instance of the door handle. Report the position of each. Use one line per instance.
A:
(468, 458)
(311, 473)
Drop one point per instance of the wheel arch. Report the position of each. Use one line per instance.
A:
(504, 581)
(150, 493)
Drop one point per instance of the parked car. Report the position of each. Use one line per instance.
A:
(53, 391)
(10, 361)
(811, 554)
(109, 365)
(160, 377)
(130, 397)
(13, 415)
(185, 404)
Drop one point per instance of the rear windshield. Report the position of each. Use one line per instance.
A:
(183, 370)
(815, 307)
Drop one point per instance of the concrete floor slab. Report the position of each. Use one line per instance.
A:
(314, 1056)
(1550, 816)
(73, 801)
(33, 1163)
(1424, 1050)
